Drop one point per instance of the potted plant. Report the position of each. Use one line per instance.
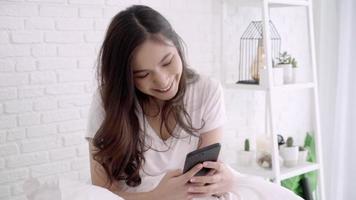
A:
(245, 156)
(277, 72)
(284, 62)
(294, 69)
(290, 153)
(303, 153)
(280, 140)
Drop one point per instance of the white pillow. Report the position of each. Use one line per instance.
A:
(65, 189)
(75, 190)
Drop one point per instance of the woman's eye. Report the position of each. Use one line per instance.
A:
(168, 63)
(142, 76)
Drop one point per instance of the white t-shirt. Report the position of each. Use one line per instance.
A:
(203, 102)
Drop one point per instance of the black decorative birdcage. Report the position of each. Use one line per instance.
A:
(252, 51)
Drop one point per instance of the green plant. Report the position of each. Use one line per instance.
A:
(302, 148)
(247, 145)
(285, 58)
(294, 62)
(294, 183)
(290, 142)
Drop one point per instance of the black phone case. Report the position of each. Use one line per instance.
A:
(208, 153)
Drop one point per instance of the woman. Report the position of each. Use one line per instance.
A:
(149, 111)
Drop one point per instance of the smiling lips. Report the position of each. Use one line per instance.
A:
(165, 89)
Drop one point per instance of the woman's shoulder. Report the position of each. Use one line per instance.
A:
(204, 84)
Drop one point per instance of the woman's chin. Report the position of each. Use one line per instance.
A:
(166, 97)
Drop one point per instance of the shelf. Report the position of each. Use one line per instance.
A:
(244, 86)
(265, 8)
(285, 172)
(295, 86)
(274, 3)
(301, 169)
(288, 3)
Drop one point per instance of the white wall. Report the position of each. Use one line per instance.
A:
(47, 54)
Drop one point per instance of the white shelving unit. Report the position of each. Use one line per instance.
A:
(279, 173)
(285, 172)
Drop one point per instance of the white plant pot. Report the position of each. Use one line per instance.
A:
(290, 155)
(303, 156)
(245, 158)
(277, 76)
(287, 73)
(296, 75)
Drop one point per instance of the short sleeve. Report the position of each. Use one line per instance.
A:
(214, 106)
(95, 116)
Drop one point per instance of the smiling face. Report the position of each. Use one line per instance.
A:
(157, 69)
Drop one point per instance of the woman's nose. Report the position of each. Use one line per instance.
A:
(161, 79)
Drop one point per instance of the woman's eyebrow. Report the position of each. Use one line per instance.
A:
(143, 70)
(168, 54)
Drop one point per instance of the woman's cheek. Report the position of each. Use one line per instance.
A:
(140, 86)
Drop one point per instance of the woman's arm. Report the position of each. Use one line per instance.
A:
(99, 178)
(210, 137)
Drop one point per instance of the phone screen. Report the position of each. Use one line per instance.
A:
(208, 153)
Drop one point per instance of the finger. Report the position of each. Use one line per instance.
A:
(196, 184)
(206, 179)
(188, 175)
(206, 189)
(213, 165)
(211, 172)
(175, 173)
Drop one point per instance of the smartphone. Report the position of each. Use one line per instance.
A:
(208, 153)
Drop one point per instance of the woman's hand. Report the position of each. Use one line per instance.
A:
(174, 185)
(220, 180)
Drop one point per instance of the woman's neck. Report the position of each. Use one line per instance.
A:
(153, 112)
(153, 107)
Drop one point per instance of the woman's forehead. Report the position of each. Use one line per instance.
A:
(151, 52)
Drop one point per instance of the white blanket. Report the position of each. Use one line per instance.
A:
(249, 188)
(65, 189)
(80, 191)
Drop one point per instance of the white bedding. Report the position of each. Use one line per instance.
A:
(64, 189)
(249, 188)
(72, 190)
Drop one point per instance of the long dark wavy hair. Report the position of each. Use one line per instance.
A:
(119, 141)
